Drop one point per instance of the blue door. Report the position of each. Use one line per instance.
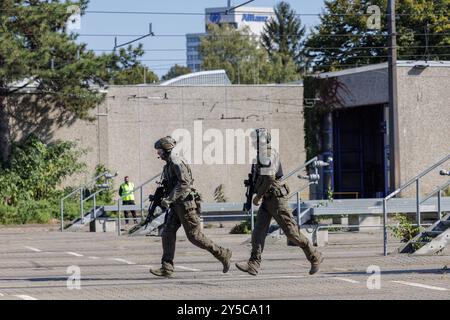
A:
(359, 152)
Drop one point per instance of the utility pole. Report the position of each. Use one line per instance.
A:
(394, 154)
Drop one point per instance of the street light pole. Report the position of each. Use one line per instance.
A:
(394, 153)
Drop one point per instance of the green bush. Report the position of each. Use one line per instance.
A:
(244, 227)
(36, 169)
(29, 182)
(106, 196)
(40, 211)
(404, 230)
(8, 214)
(26, 212)
(447, 192)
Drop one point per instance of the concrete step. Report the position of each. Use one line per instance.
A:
(431, 233)
(77, 224)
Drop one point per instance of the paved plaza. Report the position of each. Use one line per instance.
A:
(37, 261)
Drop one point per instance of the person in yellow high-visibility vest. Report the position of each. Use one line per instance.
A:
(126, 192)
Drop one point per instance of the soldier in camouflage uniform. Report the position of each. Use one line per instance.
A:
(184, 204)
(274, 204)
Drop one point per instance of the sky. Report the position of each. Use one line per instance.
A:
(163, 24)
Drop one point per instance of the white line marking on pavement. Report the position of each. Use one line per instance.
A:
(345, 279)
(123, 260)
(187, 268)
(2, 295)
(94, 258)
(75, 254)
(340, 269)
(421, 285)
(266, 276)
(291, 277)
(233, 277)
(33, 249)
(24, 297)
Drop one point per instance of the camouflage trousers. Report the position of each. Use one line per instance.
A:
(277, 208)
(190, 220)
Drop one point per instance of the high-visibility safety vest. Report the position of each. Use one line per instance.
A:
(127, 194)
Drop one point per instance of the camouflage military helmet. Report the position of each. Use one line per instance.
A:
(166, 143)
(262, 133)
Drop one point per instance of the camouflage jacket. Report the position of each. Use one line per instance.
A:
(269, 174)
(177, 178)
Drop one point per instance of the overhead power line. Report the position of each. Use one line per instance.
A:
(306, 48)
(184, 13)
(242, 35)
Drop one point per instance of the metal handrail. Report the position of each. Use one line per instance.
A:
(419, 176)
(140, 187)
(432, 193)
(285, 177)
(81, 190)
(416, 180)
(299, 190)
(438, 190)
(252, 209)
(61, 204)
(94, 195)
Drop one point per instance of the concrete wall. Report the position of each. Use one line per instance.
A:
(132, 118)
(138, 116)
(28, 116)
(363, 88)
(423, 109)
(424, 122)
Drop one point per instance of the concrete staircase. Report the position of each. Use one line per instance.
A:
(431, 241)
(79, 223)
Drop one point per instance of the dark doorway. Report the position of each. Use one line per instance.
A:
(359, 152)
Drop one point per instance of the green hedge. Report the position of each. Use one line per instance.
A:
(40, 212)
(29, 191)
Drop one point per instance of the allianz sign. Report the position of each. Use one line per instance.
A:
(249, 17)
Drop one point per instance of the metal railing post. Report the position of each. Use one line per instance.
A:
(81, 206)
(62, 214)
(95, 206)
(118, 217)
(385, 238)
(418, 202)
(439, 204)
(284, 178)
(142, 203)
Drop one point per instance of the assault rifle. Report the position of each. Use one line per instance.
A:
(155, 202)
(250, 184)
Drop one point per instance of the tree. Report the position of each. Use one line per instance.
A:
(137, 74)
(283, 69)
(132, 71)
(237, 52)
(176, 71)
(38, 168)
(343, 39)
(282, 35)
(38, 52)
